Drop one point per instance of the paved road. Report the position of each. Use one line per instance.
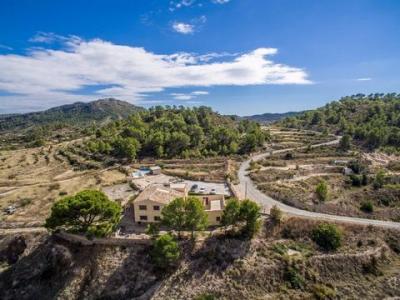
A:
(267, 202)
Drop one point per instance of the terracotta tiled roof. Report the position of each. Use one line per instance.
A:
(158, 193)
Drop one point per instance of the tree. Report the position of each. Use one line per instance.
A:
(250, 214)
(165, 251)
(345, 143)
(276, 214)
(327, 236)
(89, 212)
(196, 217)
(322, 191)
(231, 213)
(173, 215)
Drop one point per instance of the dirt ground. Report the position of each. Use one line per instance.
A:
(32, 179)
(292, 178)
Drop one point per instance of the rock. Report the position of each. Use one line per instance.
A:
(14, 249)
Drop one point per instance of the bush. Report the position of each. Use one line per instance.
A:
(289, 156)
(165, 252)
(322, 292)
(379, 180)
(294, 278)
(276, 214)
(367, 207)
(322, 191)
(327, 236)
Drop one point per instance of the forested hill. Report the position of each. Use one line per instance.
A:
(268, 118)
(72, 114)
(373, 120)
(176, 132)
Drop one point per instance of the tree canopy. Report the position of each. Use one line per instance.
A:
(184, 214)
(166, 132)
(371, 120)
(89, 212)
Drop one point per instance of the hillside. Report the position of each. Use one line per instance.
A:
(279, 263)
(268, 118)
(66, 121)
(373, 121)
(76, 113)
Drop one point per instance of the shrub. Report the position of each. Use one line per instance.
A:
(367, 207)
(327, 236)
(152, 229)
(165, 252)
(294, 278)
(357, 166)
(276, 214)
(322, 292)
(205, 296)
(322, 191)
(379, 180)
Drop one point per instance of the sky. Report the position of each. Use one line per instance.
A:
(237, 56)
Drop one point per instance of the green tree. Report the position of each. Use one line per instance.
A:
(322, 191)
(367, 207)
(165, 252)
(231, 213)
(89, 212)
(195, 215)
(250, 214)
(345, 143)
(173, 215)
(327, 236)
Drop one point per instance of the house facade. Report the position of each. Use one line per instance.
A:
(150, 202)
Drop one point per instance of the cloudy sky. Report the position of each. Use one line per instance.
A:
(237, 56)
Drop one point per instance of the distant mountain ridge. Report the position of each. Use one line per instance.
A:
(71, 114)
(268, 118)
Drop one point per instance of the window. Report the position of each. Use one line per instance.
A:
(206, 200)
(156, 207)
(157, 218)
(218, 219)
(143, 218)
(142, 207)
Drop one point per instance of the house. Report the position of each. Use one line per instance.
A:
(155, 170)
(347, 171)
(149, 203)
(214, 206)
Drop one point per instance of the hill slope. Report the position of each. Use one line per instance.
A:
(61, 123)
(373, 120)
(268, 118)
(76, 113)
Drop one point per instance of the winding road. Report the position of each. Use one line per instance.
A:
(248, 188)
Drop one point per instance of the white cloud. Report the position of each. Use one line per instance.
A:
(5, 47)
(48, 77)
(183, 28)
(188, 96)
(220, 1)
(364, 79)
(200, 93)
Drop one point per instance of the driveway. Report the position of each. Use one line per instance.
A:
(249, 190)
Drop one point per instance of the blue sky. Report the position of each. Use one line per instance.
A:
(239, 56)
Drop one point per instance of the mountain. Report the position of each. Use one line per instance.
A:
(371, 120)
(268, 118)
(71, 114)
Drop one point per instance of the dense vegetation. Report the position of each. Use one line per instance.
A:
(373, 120)
(166, 132)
